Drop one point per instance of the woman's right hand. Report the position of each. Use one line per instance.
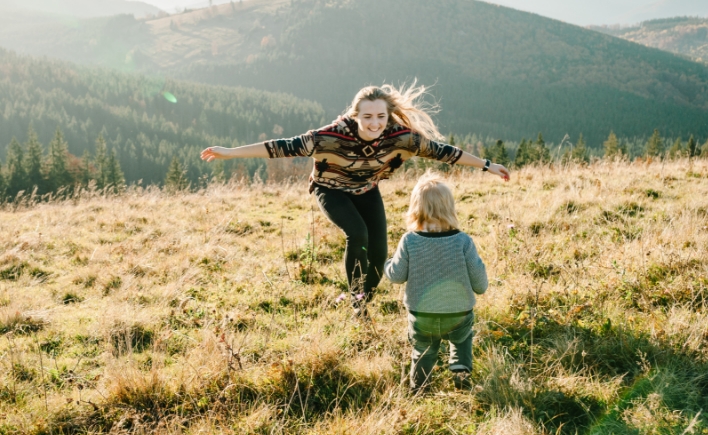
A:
(213, 153)
(499, 170)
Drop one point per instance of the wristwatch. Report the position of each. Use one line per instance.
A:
(486, 165)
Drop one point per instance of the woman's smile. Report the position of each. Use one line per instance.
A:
(371, 119)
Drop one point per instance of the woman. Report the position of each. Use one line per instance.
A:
(382, 128)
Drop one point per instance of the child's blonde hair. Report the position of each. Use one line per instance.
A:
(432, 205)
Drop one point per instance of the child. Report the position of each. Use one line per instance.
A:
(443, 272)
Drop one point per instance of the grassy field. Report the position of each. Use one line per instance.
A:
(216, 311)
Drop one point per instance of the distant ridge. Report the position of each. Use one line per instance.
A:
(606, 12)
(687, 36)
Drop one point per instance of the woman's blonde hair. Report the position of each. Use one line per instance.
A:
(432, 205)
(405, 106)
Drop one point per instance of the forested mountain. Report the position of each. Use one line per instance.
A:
(148, 121)
(497, 71)
(687, 36)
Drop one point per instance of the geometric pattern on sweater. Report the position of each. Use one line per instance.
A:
(344, 161)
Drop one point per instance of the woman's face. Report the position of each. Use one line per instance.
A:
(372, 118)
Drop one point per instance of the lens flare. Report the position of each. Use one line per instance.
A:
(169, 97)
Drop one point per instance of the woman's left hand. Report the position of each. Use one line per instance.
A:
(499, 170)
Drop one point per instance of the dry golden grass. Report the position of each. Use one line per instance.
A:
(214, 311)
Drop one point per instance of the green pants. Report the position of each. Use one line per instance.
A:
(426, 331)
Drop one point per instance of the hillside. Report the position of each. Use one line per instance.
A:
(217, 312)
(496, 71)
(137, 118)
(681, 35)
(585, 13)
(64, 9)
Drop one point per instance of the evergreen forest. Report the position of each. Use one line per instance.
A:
(146, 122)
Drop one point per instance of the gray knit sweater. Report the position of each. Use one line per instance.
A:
(443, 271)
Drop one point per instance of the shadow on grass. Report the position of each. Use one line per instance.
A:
(659, 386)
(655, 378)
(301, 391)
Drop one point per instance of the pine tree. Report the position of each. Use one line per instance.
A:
(692, 151)
(85, 170)
(487, 152)
(218, 171)
(655, 145)
(114, 175)
(176, 176)
(16, 176)
(58, 174)
(704, 150)
(623, 148)
(499, 154)
(522, 154)
(33, 163)
(611, 146)
(101, 162)
(451, 139)
(580, 151)
(542, 154)
(676, 149)
(3, 188)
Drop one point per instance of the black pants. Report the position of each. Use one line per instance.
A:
(363, 220)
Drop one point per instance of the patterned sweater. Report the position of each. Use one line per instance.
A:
(344, 161)
(443, 271)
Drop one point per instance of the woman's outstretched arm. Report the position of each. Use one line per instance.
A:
(449, 154)
(246, 151)
(468, 159)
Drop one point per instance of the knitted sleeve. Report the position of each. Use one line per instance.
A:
(298, 146)
(396, 268)
(475, 268)
(436, 150)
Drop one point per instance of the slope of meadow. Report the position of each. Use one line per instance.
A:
(216, 311)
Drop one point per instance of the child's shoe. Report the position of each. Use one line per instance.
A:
(461, 379)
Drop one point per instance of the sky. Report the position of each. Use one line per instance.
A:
(579, 12)
(179, 5)
(587, 12)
